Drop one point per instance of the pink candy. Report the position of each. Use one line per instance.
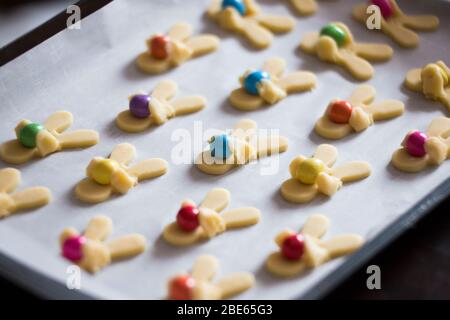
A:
(415, 143)
(72, 248)
(385, 7)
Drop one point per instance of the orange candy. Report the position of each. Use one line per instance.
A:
(340, 111)
(159, 46)
(180, 288)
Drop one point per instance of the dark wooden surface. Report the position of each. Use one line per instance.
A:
(415, 266)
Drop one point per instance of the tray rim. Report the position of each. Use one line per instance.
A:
(45, 287)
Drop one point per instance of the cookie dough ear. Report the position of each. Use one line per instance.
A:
(352, 171)
(99, 228)
(298, 81)
(386, 109)
(305, 7)
(149, 168)
(422, 22)
(235, 283)
(245, 129)
(309, 42)
(363, 95)
(260, 37)
(216, 199)
(214, 8)
(413, 79)
(439, 127)
(271, 145)
(9, 179)
(241, 217)
(188, 104)
(316, 226)
(403, 36)
(203, 44)
(276, 24)
(59, 121)
(180, 31)
(327, 153)
(343, 245)
(165, 90)
(274, 66)
(205, 268)
(127, 246)
(31, 198)
(78, 138)
(358, 67)
(373, 51)
(123, 153)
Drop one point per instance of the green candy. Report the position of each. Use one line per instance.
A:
(334, 32)
(28, 134)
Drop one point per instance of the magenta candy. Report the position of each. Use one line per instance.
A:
(415, 143)
(139, 105)
(72, 248)
(385, 7)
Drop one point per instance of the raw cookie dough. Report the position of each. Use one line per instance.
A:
(156, 108)
(35, 140)
(198, 284)
(245, 17)
(335, 44)
(397, 24)
(305, 7)
(228, 151)
(166, 52)
(90, 251)
(311, 176)
(113, 175)
(356, 114)
(12, 202)
(431, 80)
(195, 224)
(422, 149)
(304, 250)
(269, 85)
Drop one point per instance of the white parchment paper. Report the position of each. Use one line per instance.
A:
(91, 72)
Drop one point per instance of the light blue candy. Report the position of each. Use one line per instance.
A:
(237, 4)
(253, 79)
(220, 147)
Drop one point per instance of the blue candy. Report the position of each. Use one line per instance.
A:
(251, 81)
(237, 4)
(220, 147)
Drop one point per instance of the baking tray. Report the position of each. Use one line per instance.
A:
(90, 72)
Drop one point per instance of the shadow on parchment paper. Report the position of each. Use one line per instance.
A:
(417, 102)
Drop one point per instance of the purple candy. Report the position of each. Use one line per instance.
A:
(415, 143)
(385, 7)
(72, 248)
(139, 106)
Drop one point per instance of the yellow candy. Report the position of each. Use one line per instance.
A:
(102, 170)
(309, 169)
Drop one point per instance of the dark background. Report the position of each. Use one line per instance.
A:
(415, 266)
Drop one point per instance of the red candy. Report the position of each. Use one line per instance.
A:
(187, 218)
(340, 111)
(293, 247)
(180, 288)
(159, 47)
